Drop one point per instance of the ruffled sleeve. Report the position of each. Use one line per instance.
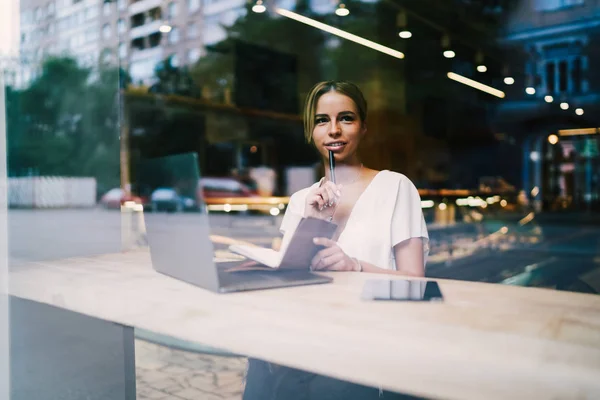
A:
(293, 213)
(408, 220)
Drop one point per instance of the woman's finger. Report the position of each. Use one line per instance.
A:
(330, 260)
(339, 265)
(324, 193)
(317, 202)
(318, 257)
(329, 251)
(326, 261)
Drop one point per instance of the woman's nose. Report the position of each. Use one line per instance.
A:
(334, 129)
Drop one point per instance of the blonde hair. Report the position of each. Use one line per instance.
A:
(342, 87)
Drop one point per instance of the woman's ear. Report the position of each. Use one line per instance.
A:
(363, 129)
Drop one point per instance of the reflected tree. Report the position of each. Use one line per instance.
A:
(66, 123)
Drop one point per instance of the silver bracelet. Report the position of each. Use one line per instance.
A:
(360, 268)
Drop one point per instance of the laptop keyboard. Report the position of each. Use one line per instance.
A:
(259, 279)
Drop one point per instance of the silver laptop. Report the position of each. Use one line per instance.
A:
(178, 228)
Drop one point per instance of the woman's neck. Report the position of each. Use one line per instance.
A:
(345, 174)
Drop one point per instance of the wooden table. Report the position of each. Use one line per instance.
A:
(486, 341)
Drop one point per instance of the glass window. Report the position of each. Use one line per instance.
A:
(122, 50)
(106, 31)
(38, 13)
(122, 4)
(106, 9)
(172, 9)
(50, 8)
(174, 35)
(576, 68)
(192, 30)
(121, 26)
(550, 77)
(138, 44)
(562, 77)
(91, 12)
(193, 5)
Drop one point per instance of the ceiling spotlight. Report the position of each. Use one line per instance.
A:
(564, 105)
(259, 7)
(479, 57)
(509, 80)
(530, 90)
(549, 99)
(165, 28)
(553, 139)
(405, 34)
(449, 54)
(342, 11)
(579, 111)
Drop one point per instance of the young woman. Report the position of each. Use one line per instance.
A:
(381, 228)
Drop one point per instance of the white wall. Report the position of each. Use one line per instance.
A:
(51, 192)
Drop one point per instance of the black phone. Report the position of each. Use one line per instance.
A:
(402, 290)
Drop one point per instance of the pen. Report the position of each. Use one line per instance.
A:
(331, 166)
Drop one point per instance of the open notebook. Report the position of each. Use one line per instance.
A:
(299, 251)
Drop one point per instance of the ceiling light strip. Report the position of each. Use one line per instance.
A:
(340, 33)
(476, 85)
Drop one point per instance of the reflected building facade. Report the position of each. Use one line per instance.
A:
(554, 103)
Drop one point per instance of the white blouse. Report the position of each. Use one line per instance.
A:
(388, 212)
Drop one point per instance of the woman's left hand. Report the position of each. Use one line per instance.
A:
(331, 258)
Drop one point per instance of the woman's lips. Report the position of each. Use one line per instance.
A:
(335, 148)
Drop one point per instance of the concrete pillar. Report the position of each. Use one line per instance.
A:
(526, 186)
(9, 47)
(537, 174)
(4, 320)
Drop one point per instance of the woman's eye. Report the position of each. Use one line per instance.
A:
(321, 120)
(347, 118)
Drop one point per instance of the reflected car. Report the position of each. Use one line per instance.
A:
(167, 199)
(115, 198)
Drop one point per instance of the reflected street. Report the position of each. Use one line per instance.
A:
(560, 253)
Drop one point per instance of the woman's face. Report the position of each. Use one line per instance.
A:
(338, 127)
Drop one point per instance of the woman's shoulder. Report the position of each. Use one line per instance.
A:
(394, 177)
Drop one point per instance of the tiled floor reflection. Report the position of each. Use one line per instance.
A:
(165, 373)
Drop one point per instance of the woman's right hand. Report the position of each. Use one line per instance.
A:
(321, 201)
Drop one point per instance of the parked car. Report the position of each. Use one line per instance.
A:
(225, 187)
(115, 198)
(167, 199)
